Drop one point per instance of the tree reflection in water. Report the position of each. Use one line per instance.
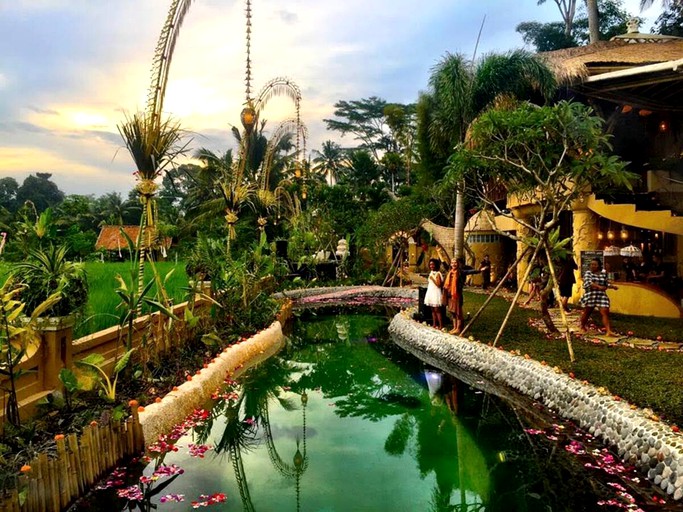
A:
(246, 414)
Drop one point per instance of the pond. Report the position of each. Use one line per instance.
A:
(342, 419)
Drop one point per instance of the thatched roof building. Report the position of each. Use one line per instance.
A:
(641, 70)
(111, 238)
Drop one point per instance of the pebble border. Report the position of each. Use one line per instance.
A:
(648, 444)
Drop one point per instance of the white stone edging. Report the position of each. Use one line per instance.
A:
(160, 417)
(651, 445)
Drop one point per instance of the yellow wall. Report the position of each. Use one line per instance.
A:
(642, 300)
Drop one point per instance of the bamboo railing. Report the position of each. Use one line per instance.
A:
(51, 484)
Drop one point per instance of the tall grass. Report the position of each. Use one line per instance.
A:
(102, 312)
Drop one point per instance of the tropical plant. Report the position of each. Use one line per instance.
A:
(107, 383)
(462, 89)
(132, 298)
(328, 161)
(18, 338)
(48, 271)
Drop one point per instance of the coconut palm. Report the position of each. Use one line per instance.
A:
(593, 21)
(329, 160)
(462, 89)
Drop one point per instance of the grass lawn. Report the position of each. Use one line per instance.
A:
(102, 309)
(647, 378)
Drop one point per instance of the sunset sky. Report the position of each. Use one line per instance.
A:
(70, 68)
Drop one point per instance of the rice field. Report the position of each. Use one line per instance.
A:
(102, 309)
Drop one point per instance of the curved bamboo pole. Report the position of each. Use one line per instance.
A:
(495, 290)
(519, 291)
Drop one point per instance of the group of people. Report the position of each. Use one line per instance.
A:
(448, 291)
(651, 272)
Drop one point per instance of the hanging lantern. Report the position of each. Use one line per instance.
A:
(248, 118)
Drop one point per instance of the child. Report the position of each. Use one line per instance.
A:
(433, 296)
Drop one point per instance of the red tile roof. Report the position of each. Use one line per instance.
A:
(111, 238)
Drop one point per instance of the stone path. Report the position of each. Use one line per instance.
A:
(594, 335)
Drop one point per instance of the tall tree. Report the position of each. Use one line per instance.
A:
(670, 22)
(462, 89)
(365, 119)
(328, 160)
(40, 190)
(593, 20)
(551, 36)
(567, 9)
(534, 153)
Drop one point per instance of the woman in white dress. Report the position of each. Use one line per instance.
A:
(433, 298)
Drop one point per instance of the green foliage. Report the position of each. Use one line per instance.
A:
(550, 153)
(203, 262)
(46, 272)
(40, 190)
(243, 289)
(18, 338)
(670, 22)
(546, 37)
(107, 383)
(401, 216)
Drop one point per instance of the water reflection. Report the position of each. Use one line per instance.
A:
(353, 422)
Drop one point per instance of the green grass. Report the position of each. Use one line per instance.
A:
(647, 378)
(102, 312)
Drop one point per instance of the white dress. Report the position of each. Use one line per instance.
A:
(433, 295)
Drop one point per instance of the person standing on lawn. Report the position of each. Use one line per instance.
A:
(595, 286)
(566, 280)
(433, 297)
(485, 269)
(453, 287)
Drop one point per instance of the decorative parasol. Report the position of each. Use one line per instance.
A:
(631, 251)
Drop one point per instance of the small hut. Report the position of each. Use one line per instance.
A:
(112, 241)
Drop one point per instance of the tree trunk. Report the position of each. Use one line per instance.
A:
(593, 20)
(459, 228)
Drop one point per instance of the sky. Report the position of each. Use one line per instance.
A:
(71, 69)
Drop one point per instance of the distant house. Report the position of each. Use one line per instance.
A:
(113, 241)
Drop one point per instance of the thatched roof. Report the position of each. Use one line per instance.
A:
(111, 238)
(572, 65)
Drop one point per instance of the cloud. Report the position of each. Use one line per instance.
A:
(70, 69)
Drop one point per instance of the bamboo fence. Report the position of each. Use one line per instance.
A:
(51, 484)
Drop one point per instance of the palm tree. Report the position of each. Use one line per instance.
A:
(646, 4)
(462, 89)
(329, 160)
(593, 21)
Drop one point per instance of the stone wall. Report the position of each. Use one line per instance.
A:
(638, 438)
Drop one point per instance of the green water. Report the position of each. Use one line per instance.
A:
(343, 420)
